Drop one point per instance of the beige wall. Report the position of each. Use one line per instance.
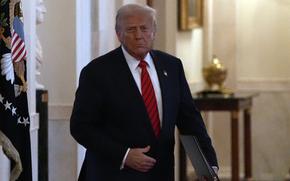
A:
(189, 50)
(263, 38)
(58, 39)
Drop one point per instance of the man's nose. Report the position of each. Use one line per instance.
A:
(139, 33)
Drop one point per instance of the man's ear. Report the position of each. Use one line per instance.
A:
(119, 35)
(153, 35)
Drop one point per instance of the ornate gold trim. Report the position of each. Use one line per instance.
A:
(186, 21)
(11, 152)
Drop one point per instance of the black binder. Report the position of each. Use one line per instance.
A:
(197, 158)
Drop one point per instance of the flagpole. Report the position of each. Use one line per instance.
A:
(29, 11)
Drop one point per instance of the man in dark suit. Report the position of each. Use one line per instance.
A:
(127, 106)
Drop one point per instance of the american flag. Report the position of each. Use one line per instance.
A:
(17, 45)
(14, 113)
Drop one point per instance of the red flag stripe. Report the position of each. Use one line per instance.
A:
(18, 48)
(16, 43)
(20, 56)
(18, 53)
(14, 37)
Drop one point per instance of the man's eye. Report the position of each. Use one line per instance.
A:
(144, 29)
(131, 30)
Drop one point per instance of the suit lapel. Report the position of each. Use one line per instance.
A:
(125, 83)
(124, 78)
(163, 81)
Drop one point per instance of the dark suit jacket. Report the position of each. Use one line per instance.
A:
(109, 117)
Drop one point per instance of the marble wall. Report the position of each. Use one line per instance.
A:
(271, 133)
(62, 152)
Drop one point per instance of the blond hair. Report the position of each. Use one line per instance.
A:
(131, 9)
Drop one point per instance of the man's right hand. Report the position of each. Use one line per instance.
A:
(136, 159)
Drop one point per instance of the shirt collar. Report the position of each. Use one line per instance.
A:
(133, 62)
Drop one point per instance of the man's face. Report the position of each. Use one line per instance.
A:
(137, 33)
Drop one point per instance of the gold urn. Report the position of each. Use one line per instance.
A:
(215, 74)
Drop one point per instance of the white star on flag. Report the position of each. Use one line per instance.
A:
(25, 121)
(19, 120)
(13, 110)
(7, 105)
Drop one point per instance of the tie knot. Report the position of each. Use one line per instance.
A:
(142, 64)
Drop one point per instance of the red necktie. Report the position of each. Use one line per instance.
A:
(149, 98)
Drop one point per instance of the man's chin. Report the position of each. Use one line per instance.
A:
(142, 52)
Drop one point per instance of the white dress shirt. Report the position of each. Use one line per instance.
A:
(136, 72)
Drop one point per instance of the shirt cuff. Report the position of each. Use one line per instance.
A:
(124, 159)
(215, 169)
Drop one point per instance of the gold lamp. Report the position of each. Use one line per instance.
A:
(215, 74)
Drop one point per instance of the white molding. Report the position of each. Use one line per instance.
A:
(196, 86)
(63, 111)
(224, 172)
(29, 14)
(34, 122)
(59, 112)
(29, 33)
(264, 85)
(83, 35)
